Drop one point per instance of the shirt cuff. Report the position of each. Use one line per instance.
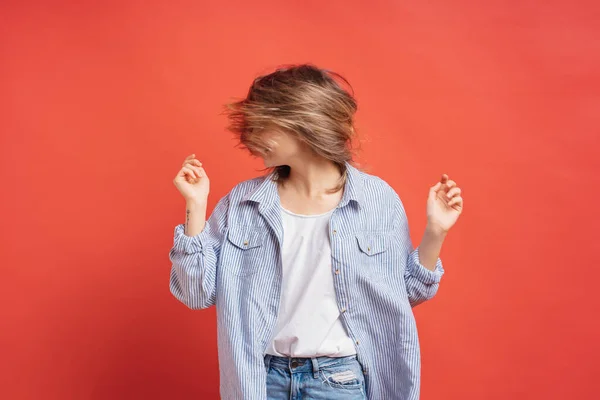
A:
(423, 274)
(187, 244)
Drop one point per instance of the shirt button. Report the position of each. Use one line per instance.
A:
(334, 231)
(357, 342)
(344, 309)
(337, 271)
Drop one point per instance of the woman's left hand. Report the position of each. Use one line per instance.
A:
(444, 205)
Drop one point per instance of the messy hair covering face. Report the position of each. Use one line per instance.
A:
(301, 100)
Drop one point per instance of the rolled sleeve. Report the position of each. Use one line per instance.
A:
(421, 283)
(423, 274)
(195, 259)
(189, 244)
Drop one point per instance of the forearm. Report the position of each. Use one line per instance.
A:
(195, 218)
(431, 245)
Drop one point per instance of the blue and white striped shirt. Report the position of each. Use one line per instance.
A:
(235, 264)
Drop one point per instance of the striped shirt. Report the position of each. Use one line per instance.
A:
(235, 264)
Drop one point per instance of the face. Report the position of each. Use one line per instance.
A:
(280, 147)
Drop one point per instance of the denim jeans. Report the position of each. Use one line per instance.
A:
(322, 378)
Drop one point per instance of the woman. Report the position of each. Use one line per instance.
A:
(311, 267)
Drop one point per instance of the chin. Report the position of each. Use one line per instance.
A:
(269, 163)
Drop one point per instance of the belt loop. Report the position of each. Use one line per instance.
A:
(362, 366)
(315, 364)
(267, 362)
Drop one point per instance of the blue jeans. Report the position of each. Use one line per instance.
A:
(318, 378)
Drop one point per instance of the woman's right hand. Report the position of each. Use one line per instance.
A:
(192, 181)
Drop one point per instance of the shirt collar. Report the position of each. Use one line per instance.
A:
(266, 192)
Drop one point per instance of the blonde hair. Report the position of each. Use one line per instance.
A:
(305, 101)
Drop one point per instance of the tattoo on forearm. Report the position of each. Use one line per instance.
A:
(187, 220)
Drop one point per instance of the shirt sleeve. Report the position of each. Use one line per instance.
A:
(421, 283)
(194, 260)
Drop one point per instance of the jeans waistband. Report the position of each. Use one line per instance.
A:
(307, 364)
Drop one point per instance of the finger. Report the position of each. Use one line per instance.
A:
(436, 187)
(434, 190)
(453, 192)
(186, 171)
(202, 172)
(444, 178)
(190, 172)
(191, 156)
(198, 170)
(450, 184)
(193, 162)
(456, 201)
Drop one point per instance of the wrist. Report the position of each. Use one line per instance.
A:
(195, 204)
(436, 230)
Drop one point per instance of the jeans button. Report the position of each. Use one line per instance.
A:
(294, 364)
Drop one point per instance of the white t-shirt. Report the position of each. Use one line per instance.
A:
(308, 324)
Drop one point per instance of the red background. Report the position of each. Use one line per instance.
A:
(102, 101)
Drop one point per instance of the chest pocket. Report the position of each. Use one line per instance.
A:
(372, 244)
(374, 254)
(243, 252)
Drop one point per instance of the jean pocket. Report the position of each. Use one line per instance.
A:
(349, 376)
